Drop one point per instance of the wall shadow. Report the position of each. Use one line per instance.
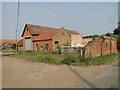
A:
(82, 78)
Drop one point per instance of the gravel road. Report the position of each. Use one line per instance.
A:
(20, 73)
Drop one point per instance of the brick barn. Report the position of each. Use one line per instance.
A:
(40, 38)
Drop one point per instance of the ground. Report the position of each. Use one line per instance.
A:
(20, 73)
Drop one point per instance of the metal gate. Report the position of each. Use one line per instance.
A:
(28, 43)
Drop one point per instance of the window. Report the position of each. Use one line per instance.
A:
(41, 47)
(106, 45)
(46, 46)
(37, 47)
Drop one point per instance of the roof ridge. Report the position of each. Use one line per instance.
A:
(49, 27)
(41, 26)
(49, 31)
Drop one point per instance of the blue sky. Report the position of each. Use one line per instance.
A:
(87, 18)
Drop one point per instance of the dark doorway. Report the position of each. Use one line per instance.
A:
(36, 47)
(46, 46)
(56, 45)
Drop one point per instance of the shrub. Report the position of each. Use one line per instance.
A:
(48, 57)
(118, 43)
(67, 44)
(70, 58)
(13, 46)
(59, 49)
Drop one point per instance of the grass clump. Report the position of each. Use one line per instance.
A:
(103, 59)
(48, 58)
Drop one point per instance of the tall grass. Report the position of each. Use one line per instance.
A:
(68, 58)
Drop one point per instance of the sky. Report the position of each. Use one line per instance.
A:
(87, 18)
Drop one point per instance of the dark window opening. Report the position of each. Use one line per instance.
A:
(56, 45)
(46, 46)
(41, 47)
(106, 45)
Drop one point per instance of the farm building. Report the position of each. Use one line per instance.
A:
(47, 38)
(41, 38)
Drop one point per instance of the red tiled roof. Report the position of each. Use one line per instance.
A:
(36, 29)
(45, 35)
(3, 41)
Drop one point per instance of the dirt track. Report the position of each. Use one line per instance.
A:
(19, 73)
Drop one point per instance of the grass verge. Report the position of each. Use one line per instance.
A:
(69, 58)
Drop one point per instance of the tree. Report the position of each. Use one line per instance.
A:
(118, 43)
(13, 46)
(117, 30)
(117, 33)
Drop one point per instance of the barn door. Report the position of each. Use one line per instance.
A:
(28, 43)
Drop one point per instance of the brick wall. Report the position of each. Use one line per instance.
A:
(114, 46)
(42, 43)
(86, 40)
(62, 36)
(26, 34)
(100, 47)
(76, 40)
(106, 47)
(20, 48)
(68, 49)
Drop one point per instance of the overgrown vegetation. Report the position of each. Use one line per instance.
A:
(67, 44)
(68, 58)
(7, 50)
(13, 46)
(118, 40)
(116, 33)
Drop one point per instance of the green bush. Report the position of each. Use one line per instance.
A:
(48, 57)
(70, 58)
(118, 43)
(59, 49)
(67, 44)
(13, 46)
